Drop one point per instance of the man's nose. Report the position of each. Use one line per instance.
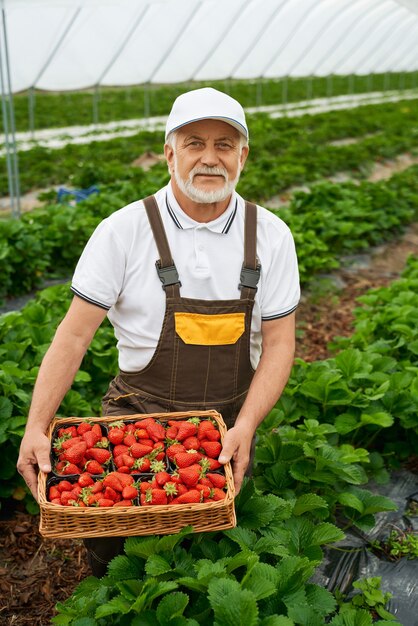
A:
(210, 156)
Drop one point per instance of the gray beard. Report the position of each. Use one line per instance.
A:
(205, 197)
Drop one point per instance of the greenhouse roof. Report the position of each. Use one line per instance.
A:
(68, 44)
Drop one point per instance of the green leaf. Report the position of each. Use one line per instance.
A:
(326, 533)
(320, 599)
(309, 502)
(277, 620)
(157, 565)
(169, 542)
(84, 621)
(123, 568)
(244, 537)
(345, 423)
(117, 605)
(170, 606)
(141, 546)
(350, 500)
(352, 618)
(6, 408)
(262, 581)
(382, 419)
(207, 569)
(232, 605)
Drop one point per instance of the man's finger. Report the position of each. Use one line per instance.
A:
(229, 448)
(44, 463)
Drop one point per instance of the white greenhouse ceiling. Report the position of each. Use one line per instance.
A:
(70, 44)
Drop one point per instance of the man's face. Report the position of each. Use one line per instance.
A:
(207, 160)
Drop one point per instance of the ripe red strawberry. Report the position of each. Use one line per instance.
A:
(113, 481)
(171, 432)
(213, 464)
(53, 493)
(97, 430)
(192, 496)
(101, 455)
(120, 449)
(185, 459)
(124, 469)
(144, 486)
(138, 450)
(85, 480)
(116, 436)
(110, 493)
(91, 438)
(190, 475)
(127, 460)
(206, 481)
(211, 448)
(182, 489)
(129, 492)
(70, 468)
(217, 480)
(218, 494)
(213, 435)
(144, 423)
(161, 478)
(129, 440)
(69, 443)
(70, 430)
(123, 503)
(174, 449)
(141, 465)
(55, 501)
(93, 467)
(191, 443)
(206, 491)
(186, 429)
(83, 428)
(204, 427)
(156, 432)
(153, 496)
(105, 502)
(97, 487)
(64, 485)
(141, 433)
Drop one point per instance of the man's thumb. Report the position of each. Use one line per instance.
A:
(44, 463)
(227, 451)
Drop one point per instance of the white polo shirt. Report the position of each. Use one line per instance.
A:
(117, 271)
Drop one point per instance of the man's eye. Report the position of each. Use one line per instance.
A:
(224, 146)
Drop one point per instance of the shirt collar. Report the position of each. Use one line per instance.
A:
(221, 224)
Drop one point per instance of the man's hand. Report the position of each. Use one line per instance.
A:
(237, 446)
(34, 453)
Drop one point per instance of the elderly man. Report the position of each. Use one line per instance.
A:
(201, 288)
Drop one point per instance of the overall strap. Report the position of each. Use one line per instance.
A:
(166, 269)
(250, 272)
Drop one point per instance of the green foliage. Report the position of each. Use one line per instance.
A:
(399, 544)
(24, 339)
(245, 575)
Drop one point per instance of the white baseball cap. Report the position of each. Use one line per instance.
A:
(203, 104)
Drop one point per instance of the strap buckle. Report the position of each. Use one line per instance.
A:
(250, 277)
(167, 275)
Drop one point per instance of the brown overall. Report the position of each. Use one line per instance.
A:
(202, 359)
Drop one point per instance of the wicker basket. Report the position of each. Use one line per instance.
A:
(66, 521)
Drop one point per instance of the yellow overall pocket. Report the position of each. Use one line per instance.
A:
(209, 330)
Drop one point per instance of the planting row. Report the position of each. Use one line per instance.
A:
(65, 109)
(284, 151)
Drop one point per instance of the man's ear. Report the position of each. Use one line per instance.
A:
(169, 156)
(244, 154)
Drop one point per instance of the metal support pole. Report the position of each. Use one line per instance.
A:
(96, 96)
(9, 121)
(31, 106)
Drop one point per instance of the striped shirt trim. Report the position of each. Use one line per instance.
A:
(223, 231)
(172, 214)
(87, 299)
(230, 219)
(279, 315)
